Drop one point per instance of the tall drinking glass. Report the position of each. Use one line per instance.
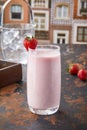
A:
(44, 79)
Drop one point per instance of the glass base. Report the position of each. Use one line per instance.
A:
(44, 112)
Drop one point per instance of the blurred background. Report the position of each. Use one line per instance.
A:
(57, 21)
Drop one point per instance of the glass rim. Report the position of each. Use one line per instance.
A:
(48, 49)
(50, 46)
(18, 26)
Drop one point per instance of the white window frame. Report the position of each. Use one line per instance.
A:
(74, 36)
(39, 22)
(21, 13)
(46, 4)
(56, 32)
(46, 19)
(62, 16)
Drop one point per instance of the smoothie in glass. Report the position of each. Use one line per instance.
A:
(44, 79)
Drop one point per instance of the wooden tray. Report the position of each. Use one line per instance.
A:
(9, 73)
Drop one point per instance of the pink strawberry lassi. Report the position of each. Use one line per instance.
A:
(44, 80)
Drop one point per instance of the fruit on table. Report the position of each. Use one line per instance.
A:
(82, 74)
(73, 69)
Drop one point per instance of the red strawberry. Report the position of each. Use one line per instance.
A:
(26, 44)
(30, 43)
(33, 43)
(82, 74)
(73, 69)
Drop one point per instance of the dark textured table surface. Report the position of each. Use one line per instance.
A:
(72, 114)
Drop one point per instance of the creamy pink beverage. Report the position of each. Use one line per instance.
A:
(44, 80)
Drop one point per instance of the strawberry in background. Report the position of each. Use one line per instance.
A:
(74, 68)
(82, 74)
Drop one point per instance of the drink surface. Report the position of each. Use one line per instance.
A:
(44, 79)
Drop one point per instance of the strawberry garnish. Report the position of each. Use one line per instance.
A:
(25, 42)
(73, 69)
(33, 43)
(30, 43)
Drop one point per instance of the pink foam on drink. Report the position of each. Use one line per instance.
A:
(44, 79)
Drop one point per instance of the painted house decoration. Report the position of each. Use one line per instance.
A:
(16, 11)
(57, 21)
(61, 21)
(79, 24)
(41, 13)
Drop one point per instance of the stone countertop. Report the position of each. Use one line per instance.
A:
(72, 114)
